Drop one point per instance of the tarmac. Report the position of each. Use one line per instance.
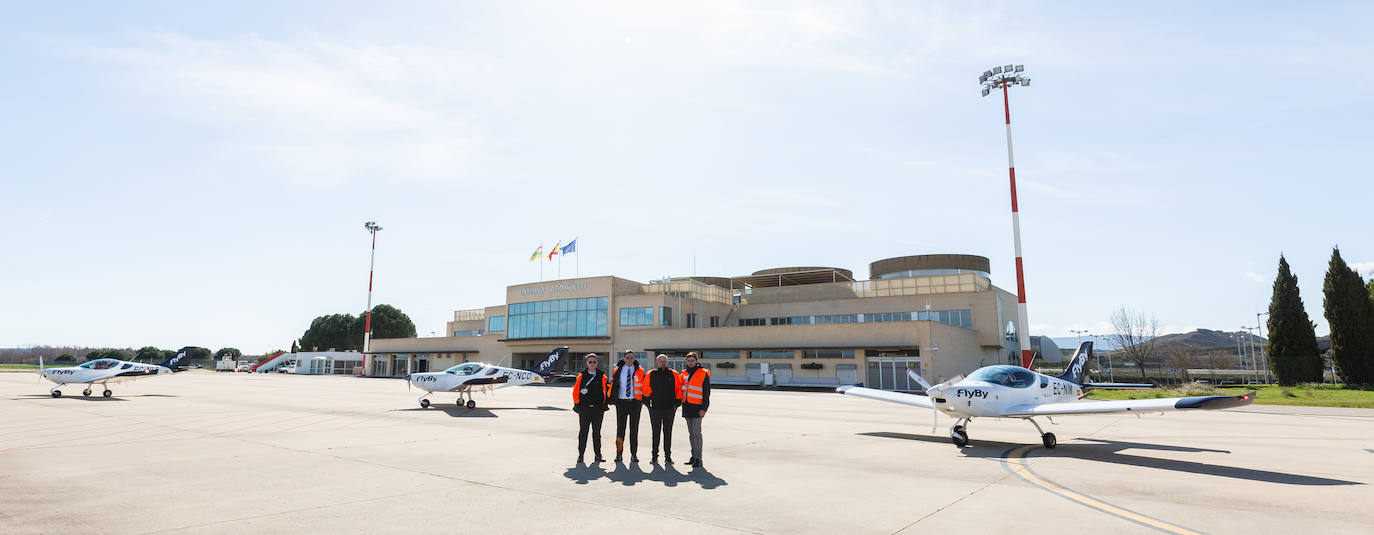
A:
(201, 452)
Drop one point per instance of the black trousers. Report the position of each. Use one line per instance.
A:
(661, 419)
(627, 416)
(589, 418)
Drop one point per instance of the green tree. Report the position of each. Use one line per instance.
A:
(198, 353)
(115, 354)
(1350, 313)
(295, 347)
(233, 353)
(148, 354)
(66, 358)
(336, 331)
(1292, 345)
(92, 355)
(388, 322)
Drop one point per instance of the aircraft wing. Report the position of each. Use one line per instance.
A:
(884, 395)
(1132, 405)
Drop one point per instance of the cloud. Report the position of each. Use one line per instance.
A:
(1255, 277)
(320, 112)
(1364, 268)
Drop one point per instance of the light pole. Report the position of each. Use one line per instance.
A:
(373, 228)
(1003, 77)
(1260, 325)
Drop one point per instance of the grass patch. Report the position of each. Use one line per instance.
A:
(1310, 395)
(21, 366)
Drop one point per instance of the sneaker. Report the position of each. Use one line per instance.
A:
(600, 459)
(691, 461)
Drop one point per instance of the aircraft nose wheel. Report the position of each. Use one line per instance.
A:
(86, 392)
(424, 404)
(108, 393)
(1049, 440)
(472, 404)
(959, 435)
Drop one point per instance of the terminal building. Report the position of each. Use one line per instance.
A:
(805, 326)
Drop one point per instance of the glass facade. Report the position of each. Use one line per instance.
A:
(838, 318)
(496, 323)
(559, 318)
(665, 316)
(960, 318)
(719, 354)
(771, 354)
(638, 316)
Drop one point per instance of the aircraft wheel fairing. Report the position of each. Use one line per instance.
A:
(959, 436)
(108, 393)
(424, 404)
(472, 404)
(1049, 440)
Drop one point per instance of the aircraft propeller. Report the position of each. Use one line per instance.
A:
(930, 392)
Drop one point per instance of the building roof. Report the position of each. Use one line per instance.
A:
(793, 276)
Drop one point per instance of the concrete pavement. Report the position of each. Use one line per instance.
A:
(201, 452)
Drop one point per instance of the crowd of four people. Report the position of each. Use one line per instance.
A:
(629, 388)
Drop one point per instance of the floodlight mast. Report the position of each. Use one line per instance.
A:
(372, 227)
(1001, 77)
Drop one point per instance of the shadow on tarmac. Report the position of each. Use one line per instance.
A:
(631, 474)
(96, 397)
(457, 411)
(1108, 451)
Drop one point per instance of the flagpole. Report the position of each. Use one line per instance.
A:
(579, 262)
(541, 263)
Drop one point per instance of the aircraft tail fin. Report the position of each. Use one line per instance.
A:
(177, 362)
(552, 362)
(1077, 371)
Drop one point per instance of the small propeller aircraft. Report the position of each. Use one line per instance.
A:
(105, 371)
(466, 377)
(1015, 392)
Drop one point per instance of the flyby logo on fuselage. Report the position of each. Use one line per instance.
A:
(425, 378)
(971, 393)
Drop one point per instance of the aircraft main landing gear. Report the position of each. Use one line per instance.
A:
(958, 433)
(108, 393)
(56, 393)
(1047, 439)
(472, 404)
(424, 404)
(86, 392)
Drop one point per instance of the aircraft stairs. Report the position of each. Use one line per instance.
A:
(271, 363)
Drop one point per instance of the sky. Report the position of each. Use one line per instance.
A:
(199, 174)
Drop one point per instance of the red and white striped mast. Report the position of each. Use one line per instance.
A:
(1003, 77)
(372, 227)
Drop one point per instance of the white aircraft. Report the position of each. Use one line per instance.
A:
(1016, 392)
(105, 371)
(466, 377)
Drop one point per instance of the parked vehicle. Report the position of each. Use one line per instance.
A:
(245, 366)
(287, 368)
(225, 365)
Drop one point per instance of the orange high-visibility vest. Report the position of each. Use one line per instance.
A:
(577, 388)
(693, 390)
(677, 383)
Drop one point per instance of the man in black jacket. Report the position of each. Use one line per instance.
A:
(662, 395)
(589, 402)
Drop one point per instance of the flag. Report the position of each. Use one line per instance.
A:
(571, 247)
(537, 253)
(554, 251)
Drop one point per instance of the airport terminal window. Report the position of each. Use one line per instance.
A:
(715, 321)
(665, 316)
(560, 318)
(496, 323)
(691, 321)
(960, 318)
(771, 354)
(838, 318)
(883, 317)
(719, 354)
(828, 354)
(637, 316)
(752, 322)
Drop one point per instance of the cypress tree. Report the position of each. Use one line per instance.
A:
(1350, 313)
(1292, 345)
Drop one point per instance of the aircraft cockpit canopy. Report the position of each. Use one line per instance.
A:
(100, 364)
(1010, 376)
(466, 368)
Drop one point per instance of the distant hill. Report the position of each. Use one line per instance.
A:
(1201, 338)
